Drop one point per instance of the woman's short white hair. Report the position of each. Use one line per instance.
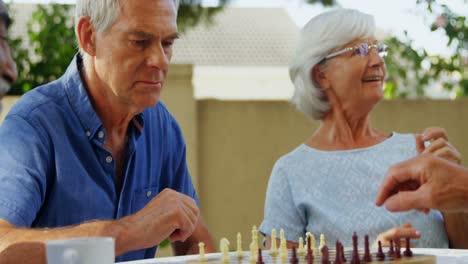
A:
(321, 35)
(102, 13)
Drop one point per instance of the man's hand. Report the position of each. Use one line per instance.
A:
(170, 215)
(425, 182)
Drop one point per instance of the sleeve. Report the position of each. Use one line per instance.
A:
(23, 165)
(281, 212)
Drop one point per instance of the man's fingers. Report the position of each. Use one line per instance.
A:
(407, 200)
(419, 143)
(397, 175)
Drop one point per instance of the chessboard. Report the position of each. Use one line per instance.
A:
(267, 258)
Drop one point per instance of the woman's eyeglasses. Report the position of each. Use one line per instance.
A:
(362, 50)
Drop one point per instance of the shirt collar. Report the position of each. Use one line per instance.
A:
(79, 100)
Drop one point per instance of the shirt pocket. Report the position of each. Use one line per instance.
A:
(142, 197)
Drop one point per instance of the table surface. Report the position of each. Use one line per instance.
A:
(444, 256)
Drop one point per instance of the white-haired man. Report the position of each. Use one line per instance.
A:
(95, 152)
(8, 72)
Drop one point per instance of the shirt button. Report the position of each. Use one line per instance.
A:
(108, 159)
(148, 193)
(100, 134)
(88, 133)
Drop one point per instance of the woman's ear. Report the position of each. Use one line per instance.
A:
(319, 76)
(86, 35)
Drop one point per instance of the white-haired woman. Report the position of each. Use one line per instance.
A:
(329, 183)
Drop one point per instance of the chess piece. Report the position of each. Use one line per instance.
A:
(397, 248)
(343, 258)
(310, 254)
(325, 255)
(260, 258)
(322, 242)
(201, 252)
(294, 259)
(239, 251)
(338, 259)
(301, 251)
(283, 248)
(355, 258)
(312, 241)
(380, 255)
(224, 246)
(391, 251)
(367, 256)
(408, 252)
(273, 248)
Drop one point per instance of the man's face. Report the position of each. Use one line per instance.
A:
(132, 56)
(8, 72)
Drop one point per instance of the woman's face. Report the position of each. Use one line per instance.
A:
(355, 78)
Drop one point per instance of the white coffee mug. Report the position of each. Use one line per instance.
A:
(86, 250)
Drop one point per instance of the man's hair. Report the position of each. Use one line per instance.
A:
(102, 13)
(321, 35)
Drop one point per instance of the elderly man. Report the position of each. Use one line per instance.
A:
(96, 153)
(7, 65)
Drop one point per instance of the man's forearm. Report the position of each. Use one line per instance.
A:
(11, 236)
(456, 225)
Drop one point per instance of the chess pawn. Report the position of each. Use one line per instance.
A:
(283, 248)
(312, 242)
(322, 242)
(239, 252)
(408, 252)
(273, 248)
(201, 252)
(253, 253)
(301, 251)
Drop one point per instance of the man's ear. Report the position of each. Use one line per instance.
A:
(86, 35)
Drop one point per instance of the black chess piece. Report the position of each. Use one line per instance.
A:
(355, 258)
(397, 249)
(294, 259)
(260, 258)
(391, 251)
(367, 256)
(310, 253)
(380, 255)
(408, 252)
(338, 259)
(325, 255)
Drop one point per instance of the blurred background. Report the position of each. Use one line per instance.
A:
(229, 86)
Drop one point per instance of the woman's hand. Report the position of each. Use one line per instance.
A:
(439, 144)
(399, 232)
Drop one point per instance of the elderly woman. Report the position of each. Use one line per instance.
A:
(329, 183)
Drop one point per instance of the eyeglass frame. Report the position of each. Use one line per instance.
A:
(359, 47)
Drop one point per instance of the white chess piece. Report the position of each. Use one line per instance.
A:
(224, 246)
(283, 248)
(301, 251)
(322, 242)
(273, 248)
(240, 252)
(201, 252)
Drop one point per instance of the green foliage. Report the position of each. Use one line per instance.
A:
(192, 13)
(52, 44)
(412, 71)
(51, 47)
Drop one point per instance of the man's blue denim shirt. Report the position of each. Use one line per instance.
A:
(55, 171)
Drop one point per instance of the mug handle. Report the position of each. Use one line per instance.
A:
(70, 256)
